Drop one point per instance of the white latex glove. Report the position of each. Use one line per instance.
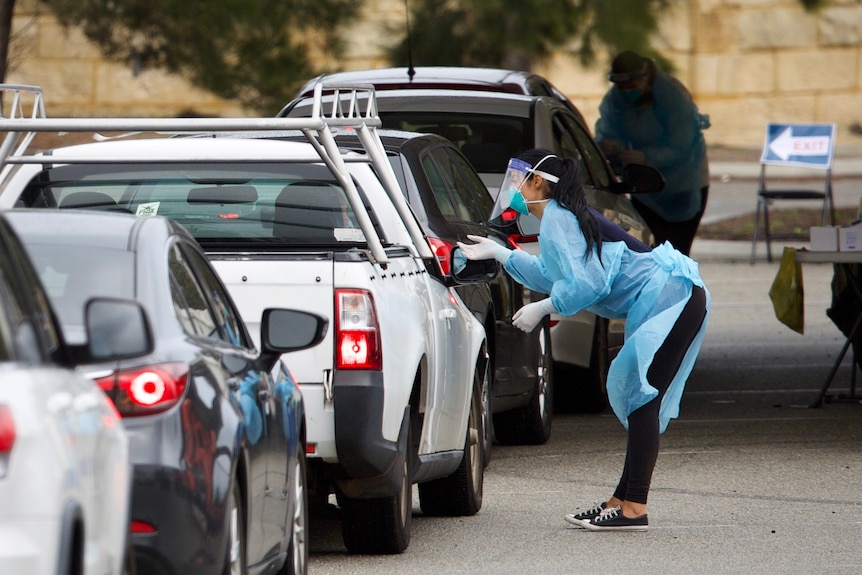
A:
(528, 317)
(484, 249)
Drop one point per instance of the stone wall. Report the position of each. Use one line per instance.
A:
(747, 63)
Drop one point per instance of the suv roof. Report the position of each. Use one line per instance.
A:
(447, 78)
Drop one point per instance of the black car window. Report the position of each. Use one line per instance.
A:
(226, 315)
(440, 189)
(462, 198)
(190, 304)
(470, 187)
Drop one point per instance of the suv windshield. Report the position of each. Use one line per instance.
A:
(220, 204)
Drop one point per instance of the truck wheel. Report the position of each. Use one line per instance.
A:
(460, 494)
(531, 424)
(380, 525)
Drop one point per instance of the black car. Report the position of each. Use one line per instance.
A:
(216, 428)
(450, 202)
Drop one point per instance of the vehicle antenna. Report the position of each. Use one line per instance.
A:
(410, 70)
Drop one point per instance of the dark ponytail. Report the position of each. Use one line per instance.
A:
(569, 193)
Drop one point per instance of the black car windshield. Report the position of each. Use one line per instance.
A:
(74, 274)
(486, 140)
(241, 206)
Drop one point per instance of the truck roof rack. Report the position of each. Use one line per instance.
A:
(352, 106)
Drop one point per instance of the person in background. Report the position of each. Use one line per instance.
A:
(588, 262)
(649, 117)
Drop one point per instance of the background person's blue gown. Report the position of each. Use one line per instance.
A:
(648, 289)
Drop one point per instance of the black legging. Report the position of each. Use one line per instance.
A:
(643, 437)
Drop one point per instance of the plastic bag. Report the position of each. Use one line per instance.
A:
(786, 292)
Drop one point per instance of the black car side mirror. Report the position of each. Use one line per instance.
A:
(642, 179)
(466, 271)
(287, 330)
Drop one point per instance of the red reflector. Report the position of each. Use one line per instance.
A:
(311, 449)
(7, 429)
(142, 527)
(229, 216)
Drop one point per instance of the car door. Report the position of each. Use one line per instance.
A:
(254, 389)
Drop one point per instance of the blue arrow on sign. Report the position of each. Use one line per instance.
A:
(810, 145)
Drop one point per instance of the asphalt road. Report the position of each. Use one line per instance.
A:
(749, 478)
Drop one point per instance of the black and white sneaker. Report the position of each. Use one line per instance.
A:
(579, 519)
(612, 519)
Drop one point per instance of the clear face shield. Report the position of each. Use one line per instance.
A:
(510, 202)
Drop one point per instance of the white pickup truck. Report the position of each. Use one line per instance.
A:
(395, 395)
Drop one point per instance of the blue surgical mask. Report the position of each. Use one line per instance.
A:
(517, 202)
(632, 95)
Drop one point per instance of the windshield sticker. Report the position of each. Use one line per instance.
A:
(348, 235)
(147, 209)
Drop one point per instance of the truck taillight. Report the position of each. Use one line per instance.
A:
(7, 438)
(443, 252)
(357, 332)
(146, 390)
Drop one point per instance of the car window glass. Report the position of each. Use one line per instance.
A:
(590, 154)
(439, 188)
(462, 197)
(261, 205)
(568, 147)
(72, 275)
(190, 304)
(468, 185)
(225, 313)
(488, 141)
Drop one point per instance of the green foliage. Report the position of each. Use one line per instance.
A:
(515, 33)
(256, 52)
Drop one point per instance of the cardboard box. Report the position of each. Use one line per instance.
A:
(850, 239)
(823, 239)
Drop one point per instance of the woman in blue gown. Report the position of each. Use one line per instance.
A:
(587, 262)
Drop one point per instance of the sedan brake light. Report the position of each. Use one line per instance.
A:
(357, 332)
(7, 438)
(146, 390)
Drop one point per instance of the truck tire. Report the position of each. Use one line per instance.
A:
(380, 525)
(531, 424)
(460, 494)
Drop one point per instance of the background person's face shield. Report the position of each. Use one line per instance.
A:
(516, 174)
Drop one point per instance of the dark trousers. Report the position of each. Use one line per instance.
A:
(679, 234)
(643, 436)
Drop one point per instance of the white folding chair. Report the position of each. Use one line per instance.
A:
(801, 146)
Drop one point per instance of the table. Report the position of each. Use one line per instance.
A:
(839, 258)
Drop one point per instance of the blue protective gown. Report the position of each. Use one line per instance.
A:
(668, 131)
(647, 289)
